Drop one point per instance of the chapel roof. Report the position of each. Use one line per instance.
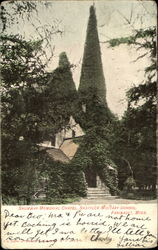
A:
(58, 155)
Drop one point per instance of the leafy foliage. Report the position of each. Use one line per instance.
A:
(34, 108)
(19, 168)
(93, 113)
(94, 153)
(136, 138)
(19, 9)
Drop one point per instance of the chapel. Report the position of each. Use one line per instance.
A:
(92, 94)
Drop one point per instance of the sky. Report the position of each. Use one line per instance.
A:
(120, 70)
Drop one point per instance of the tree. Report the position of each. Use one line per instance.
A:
(60, 95)
(137, 137)
(92, 77)
(26, 13)
(22, 80)
(93, 107)
(19, 9)
(34, 107)
(21, 72)
(36, 104)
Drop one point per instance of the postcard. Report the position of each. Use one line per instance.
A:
(78, 101)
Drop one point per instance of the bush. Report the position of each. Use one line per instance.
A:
(129, 184)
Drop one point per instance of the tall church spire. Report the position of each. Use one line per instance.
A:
(92, 76)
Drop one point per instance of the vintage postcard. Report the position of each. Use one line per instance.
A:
(78, 101)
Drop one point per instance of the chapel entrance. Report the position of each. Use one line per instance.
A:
(90, 176)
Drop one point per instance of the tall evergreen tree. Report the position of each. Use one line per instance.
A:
(65, 68)
(62, 83)
(92, 89)
(92, 77)
(60, 95)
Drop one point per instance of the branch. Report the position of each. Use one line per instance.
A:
(139, 57)
(128, 21)
(146, 9)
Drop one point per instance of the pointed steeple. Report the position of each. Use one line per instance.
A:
(92, 76)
